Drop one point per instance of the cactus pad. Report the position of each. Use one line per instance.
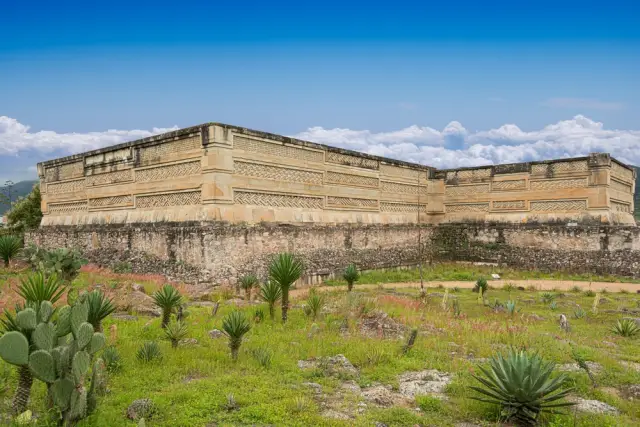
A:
(78, 408)
(61, 392)
(42, 366)
(83, 335)
(14, 348)
(80, 365)
(79, 315)
(98, 341)
(46, 310)
(27, 319)
(44, 336)
(64, 321)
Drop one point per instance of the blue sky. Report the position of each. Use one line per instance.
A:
(441, 83)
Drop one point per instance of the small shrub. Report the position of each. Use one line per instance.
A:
(509, 287)
(429, 403)
(122, 267)
(314, 305)
(553, 306)
(301, 404)
(626, 328)
(521, 384)
(149, 352)
(63, 262)
(175, 331)
(247, 283)
(589, 293)
(258, 315)
(576, 289)
(547, 297)
(604, 291)
(112, 359)
(9, 248)
(270, 292)
(351, 275)
(445, 300)
(579, 313)
(455, 289)
(481, 284)
(235, 325)
(624, 291)
(532, 288)
(231, 404)
(167, 299)
(263, 356)
(511, 307)
(410, 341)
(457, 312)
(582, 363)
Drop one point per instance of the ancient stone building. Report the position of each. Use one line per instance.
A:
(213, 202)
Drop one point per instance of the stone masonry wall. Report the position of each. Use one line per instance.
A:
(220, 253)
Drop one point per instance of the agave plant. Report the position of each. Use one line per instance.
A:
(235, 325)
(314, 304)
(579, 313)
(167, 299)
(99, 308)
(626, 328)
(9, 248)
(284, 270)
(175, 331)
(149, 352)
(248, 282)
(37, 288)
(547, 297)
(522, 385)
(351, 275)
(270, 292)
(511, 307)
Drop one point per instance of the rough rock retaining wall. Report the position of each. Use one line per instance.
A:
(220, 253)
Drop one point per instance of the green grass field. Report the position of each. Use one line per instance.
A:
(198, 384)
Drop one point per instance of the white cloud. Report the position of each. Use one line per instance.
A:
(455, 146)
(583, 103)
(16, 137)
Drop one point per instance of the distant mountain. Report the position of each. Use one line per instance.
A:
(20, 189)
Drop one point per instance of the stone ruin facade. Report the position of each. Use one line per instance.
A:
(213, 202)
(217, 172)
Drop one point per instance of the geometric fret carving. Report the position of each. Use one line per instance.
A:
(621, 207)
(277, 173)
(397, 188)
(349, 179)
(170, 199)
(560, 167)
(558, 205)
(66, 171)
(468, 207)
(276, 150)
(518, 184)
(67, 207)
(465, 190)
(558, 184)
(401, 207)
(110, 178)
(620, 186)
(352, 202)
(509, 204)
(469, 174)
(168, 171)
(621, 172)
(66, 187)
(349, 160)
(402, 172)
(103, 202)
(276, 200)
(155, 153)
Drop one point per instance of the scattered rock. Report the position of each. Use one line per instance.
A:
(632, 392)
(336, 415)
(631, 365)
(430, 381)
(467, 425)
(201, 304)
(216, 333)
(124, 316)
(138, 302)
(317, 388)
(534, 316)
(137, 287)
(379, 324)
(610, 344)
(189, 341)
(351, 387)
(379, 424)
(337, 365)
(381, 395)
(141, 408)
(594, 406)
(574, 367)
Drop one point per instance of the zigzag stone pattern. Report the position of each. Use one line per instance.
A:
(66, 171)
(352, 202)
(276, 200)
(468, 207)
(465, 190)
(276, 150)
(103, 202)
(184, 198)
(558, 183)
(169, 171)
(110, 177)
(558, 205)
(155, 153)
(350, 179)
(346, 159)
(67, 207)
(66, 187)
(258, 170)
(509, 204)
(402, 207)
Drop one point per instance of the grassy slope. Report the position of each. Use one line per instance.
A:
(191, 384)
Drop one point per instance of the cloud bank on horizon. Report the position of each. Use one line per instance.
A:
(453, 146)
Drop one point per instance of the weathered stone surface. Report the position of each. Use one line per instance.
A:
(431, 381)
(137, 302)
(216, 333)
(381, 396)
(574, 367)
(141, 408)
(594, 406)
(337, 365)
(379, 324)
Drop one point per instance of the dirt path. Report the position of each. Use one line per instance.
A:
(545, 284)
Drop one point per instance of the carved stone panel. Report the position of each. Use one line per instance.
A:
(156, 153)
(509, 204)
(276, 200)
(277, 173)
(468, 207)
(113, 201)
(68, 207)
(65, 171)
(511, 185)
(352, 202)
(349, 160)
(351, 180)
(184, 198)
(277, 150)
(465, 190)
(66, 187)
(402, 207)
(168, 171)
(558, 205)
(110, 178)
(554, 184)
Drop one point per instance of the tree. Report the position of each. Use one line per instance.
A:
(25, 213)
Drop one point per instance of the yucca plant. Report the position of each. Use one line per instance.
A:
(314, 304)
(522, 385)
(149, 352)
(351, 275)
(175, 331)
(37, 288)
(167, 299)
(99, 308)
(284, 270)
(258, 315)
(9, 248)
(112, 360)
(481, 284)
(235, 325)
(270, 292)
(626, 328)
(247, 283)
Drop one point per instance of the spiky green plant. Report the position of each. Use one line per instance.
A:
(589, 293)
(175, 331)
(351, 275)
(9, 248)
(579, 313)
(314, 304)
(582, 363)
(167, 299)
(37, 287)
(149, 352)
(410, 341)
(547, 297)
(553, 306)
(258, 315)
(112, 359)
(284, 270)
(235, 325)
(455, 305)
(576, 289)
(99, 308)
(263, 356)
(481, 284)
(511, 307)
(270, 292)
(522, 384)
(626, 328)
(247, 283)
